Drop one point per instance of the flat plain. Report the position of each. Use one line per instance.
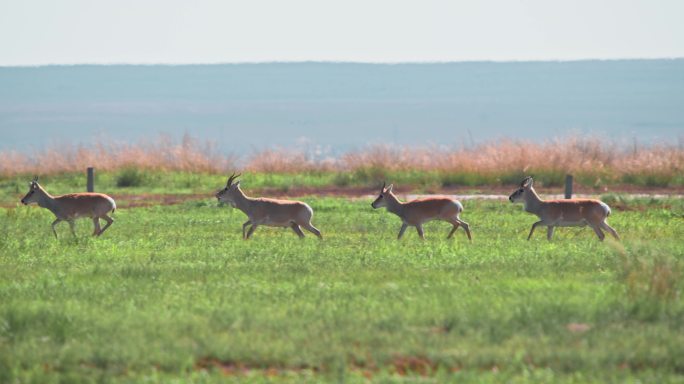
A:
(170, 293)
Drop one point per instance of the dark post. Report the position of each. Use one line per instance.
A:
(568, 186)
(91, 181)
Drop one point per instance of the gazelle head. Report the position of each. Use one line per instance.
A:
(519, 194)
(381, 201)
(31, 195)
(227, 194)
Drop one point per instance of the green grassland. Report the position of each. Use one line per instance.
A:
(172, 294)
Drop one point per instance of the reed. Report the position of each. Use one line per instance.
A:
(592, 161)
(162, 154)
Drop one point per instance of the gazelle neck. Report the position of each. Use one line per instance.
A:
(532, 202)
(242, 201)
(45, 200)
(393, 204)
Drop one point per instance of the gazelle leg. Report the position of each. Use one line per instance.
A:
(251, 230)
(53, 226)
(109, 221)
(599, 233)
(402, 230)
(96, 224)
(549, 232)
(455, 224)
(466, 228)
(244, 228)
(419, 229)
(297, 230)
(532, 230)
(72, 226)
(313, 230)
(610, 230)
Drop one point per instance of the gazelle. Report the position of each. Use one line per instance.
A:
(269, 212)
(72, 206)
(419, 211)
(563, 213)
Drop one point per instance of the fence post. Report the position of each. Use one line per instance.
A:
(568, 186)
(91, 182)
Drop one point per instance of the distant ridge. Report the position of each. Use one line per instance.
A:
(342, 62)
(243, 106)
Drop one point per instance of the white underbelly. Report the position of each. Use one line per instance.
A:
(564, 223)
(79, 215)
(276, 223)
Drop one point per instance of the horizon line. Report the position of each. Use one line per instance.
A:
(428, 62)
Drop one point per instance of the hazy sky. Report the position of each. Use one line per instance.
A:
(34, 32)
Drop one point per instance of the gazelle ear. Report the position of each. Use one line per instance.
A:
(237, 184)
(528, 182)
(389, 189)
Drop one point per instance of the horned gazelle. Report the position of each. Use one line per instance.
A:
(72, 206)
(419, 211)
(269, 212)
(563, 213)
